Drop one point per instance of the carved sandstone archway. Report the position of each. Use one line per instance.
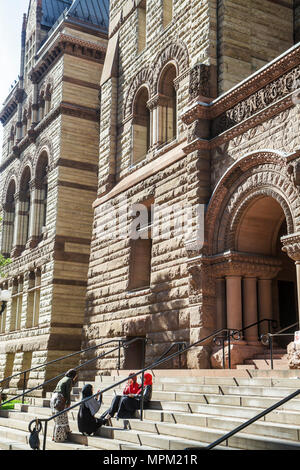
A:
(254, 204)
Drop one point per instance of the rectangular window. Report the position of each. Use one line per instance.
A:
(142, 20)
(141, 250)
(16, 305)
(33, 300)
(167, 12)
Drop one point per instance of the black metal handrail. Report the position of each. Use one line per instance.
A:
(267, 339)
(247, 423)
(271, 324)
(155, 364)
(6, 379)
(122, 343)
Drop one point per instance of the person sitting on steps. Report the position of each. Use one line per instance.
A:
(131, 388)
(131, 403)
(87, 423)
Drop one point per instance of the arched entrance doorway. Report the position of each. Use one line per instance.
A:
(251, 218)
(259, 232)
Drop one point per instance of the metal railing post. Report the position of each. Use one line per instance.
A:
(229, 352)
(24, 387)
(142, 393)
(45, 435)
(271, 350)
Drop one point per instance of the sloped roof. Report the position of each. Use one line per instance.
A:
(52, 9)
(91, 11)
(95, 12)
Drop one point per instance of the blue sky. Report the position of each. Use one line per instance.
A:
(11, 18)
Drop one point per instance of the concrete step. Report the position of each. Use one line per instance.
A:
(20, 420)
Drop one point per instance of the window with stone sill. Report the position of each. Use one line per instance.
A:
(141, 246)
(16, 305)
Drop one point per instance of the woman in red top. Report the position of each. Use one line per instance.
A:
(132, 402)
(132, 388)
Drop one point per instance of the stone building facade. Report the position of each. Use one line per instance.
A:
(199, 110)
(48, 181)
(149, 179)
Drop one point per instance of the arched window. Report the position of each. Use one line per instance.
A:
(9, 213)
(167, 119)
(141, 126)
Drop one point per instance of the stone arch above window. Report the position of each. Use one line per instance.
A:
(142, 78)
(175, 53)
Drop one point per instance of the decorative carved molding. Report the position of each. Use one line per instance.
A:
(257, 174)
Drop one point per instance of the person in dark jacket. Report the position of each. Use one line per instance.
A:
(132, 402)
(131, 388)
(87, 423)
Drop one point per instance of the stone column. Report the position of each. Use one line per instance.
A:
(250, 309)
(221, 303)
(265, 302)
(234, 302)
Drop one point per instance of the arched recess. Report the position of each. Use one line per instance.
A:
(167, 104)
(252, 207)
(141, 125)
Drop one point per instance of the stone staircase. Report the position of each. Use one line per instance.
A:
(263, 360)
(190, 408)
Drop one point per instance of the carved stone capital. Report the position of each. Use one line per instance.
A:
(291, 246)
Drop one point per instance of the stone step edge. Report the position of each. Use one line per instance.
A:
(208, 431)
(263, 424)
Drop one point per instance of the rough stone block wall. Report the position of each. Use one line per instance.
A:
(251, 33)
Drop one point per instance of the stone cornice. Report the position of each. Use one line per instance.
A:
(66, 44)
(237, 264)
